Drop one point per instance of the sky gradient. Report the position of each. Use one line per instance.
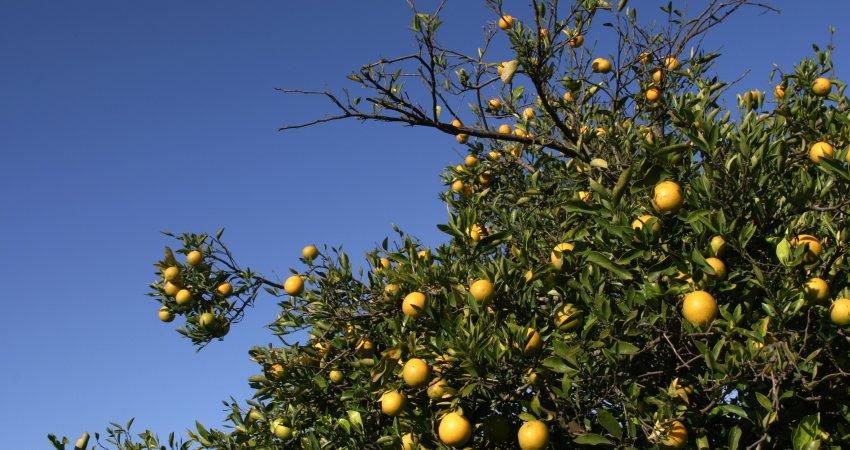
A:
(120, 119)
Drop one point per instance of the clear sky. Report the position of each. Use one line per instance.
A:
(119, 119)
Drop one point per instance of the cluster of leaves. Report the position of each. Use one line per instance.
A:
(589, 338)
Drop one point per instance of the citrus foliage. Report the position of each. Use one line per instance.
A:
(626, 265)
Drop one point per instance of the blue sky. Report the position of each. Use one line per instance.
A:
(119, 119)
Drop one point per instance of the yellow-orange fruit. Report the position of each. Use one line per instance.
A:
(183, 297)
(294, 285)
(699, 308)
(194, 258)
(819, 150)
(718, 266)
(533, 435)
(676, 437)
(415, 372)
(821, 86)
(600, 65)
(506, 22)
(309, 252)
(667, 197)
(454, 430)
(165, 315)
(413, 304)
(482, 290)
(814, 247)
(224, 289)
(392, 403)
(839, 311)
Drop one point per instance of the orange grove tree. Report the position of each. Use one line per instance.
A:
(628, 263)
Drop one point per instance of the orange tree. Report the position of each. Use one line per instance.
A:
(626, 264)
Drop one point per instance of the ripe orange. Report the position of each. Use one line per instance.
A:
(718, 245)
(778, 91)
(171, 273)
(576, 41)
(504, 128)
(814, 247)
(643, 57)
(364, 348)
(671, 63)
(638, 223)
(585, 196)
(482, 290)
(207, 320)
(819, 150)
(718, 266)
(409, 442)
(280, 430)
(676, 437)
(484, 179)
(413, 304)
(454, 430)
(494, 103)
(667, 197)
(335, 376)
(437, 389)
(528, 113)
(456, 123)
(294, 285)
(476, 232)
(600, 65)
(276, 371)
(183, 297)
(493, 155)
(568, 317)
(170, 289)
(391, 290)
(533, 435)
(462, 138)
(470, 160)
(652, 94)
(224, 289)
(568, 97)
(385, 263)
(165, 315)
(194, 258)
(657, 75)
(309, 252)
(557, 255)
(821, 86)
(699, 308)
(816, 290)
(415, 372)
(533, 342)
(457, 186)
(839, 311)
(506, 22)
(392, 403)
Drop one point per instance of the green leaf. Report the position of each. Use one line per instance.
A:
(806, 432)
(555, 364)
(734, 437)
(606, 263)
(783, 251)
(624, 348)
(608, 422)
(736, 410)
(356, 420)
(592, 439)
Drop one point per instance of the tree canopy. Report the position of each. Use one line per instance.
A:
(628, 262)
